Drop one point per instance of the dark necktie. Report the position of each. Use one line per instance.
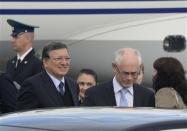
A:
(61, 86)
(18, 63)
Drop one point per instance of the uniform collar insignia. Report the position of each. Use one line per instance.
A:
(13, 61)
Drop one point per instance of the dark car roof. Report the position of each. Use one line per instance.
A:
(98, 118)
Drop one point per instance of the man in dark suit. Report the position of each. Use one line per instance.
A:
(25, 64)
(50, 88)
(8, 94)
(122, 91)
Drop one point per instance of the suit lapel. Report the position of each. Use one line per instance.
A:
(110, 96)
(72, 90)
(24, 61)
(13, 65)
(13, 62)
(51, 89)
(137, 96)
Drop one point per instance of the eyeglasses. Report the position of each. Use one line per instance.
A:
(59, 59)
(126, 74)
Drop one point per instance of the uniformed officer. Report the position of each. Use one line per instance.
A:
(25, 64)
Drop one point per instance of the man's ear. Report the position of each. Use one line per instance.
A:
(114, 67)
(44, 61)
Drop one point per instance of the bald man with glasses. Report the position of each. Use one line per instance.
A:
(122, 90)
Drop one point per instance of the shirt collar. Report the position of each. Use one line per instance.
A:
(55, 80)
(24, 55)
(118, 87)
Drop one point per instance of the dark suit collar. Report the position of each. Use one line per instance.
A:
(13, 61)
(72, 91)
(137, 96)
(22, 64)
(55, 80)
(24, 55)
(50, 87)
(110, 95)
(25, 60)
(28, 56)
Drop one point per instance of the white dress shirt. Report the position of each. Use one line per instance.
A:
(129, 94)
(24, 55)
(57, 82)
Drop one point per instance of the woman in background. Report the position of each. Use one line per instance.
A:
(169, 83)
(86, 78)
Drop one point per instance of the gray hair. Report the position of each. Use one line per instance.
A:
(120, 52)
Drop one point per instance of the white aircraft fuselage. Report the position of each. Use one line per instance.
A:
(94, 29)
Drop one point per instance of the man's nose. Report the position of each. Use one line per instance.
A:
(130, 76)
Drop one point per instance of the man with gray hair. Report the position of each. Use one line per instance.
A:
(122, 90)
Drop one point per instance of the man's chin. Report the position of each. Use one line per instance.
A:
(61, 75)
(63, 72)
(128, 85)
(15, 49)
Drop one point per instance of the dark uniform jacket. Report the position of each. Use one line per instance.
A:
(103, 95)
(8, 94)
(39, 91)
(30, 66)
